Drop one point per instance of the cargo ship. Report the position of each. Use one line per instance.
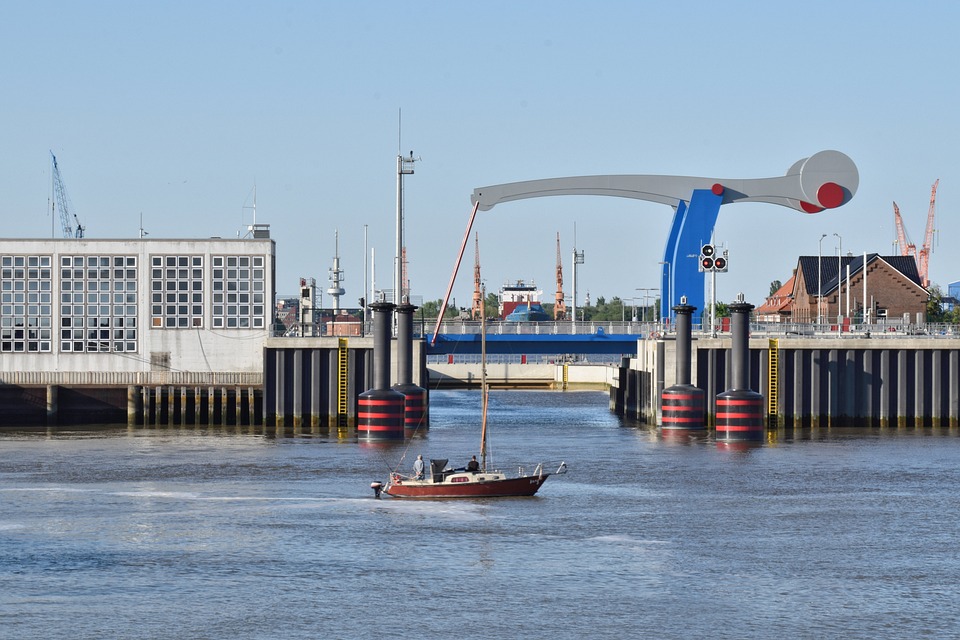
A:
(520, 302)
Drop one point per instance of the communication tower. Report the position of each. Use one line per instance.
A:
(336, 276)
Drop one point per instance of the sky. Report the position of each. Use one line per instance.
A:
(173, 112)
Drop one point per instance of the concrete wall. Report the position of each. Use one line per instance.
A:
(206, 345)
(522, 375)
(848, 381)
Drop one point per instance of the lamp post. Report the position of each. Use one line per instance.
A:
(366, 298)
(645, 297)
(577, 259)
(820, 278)
(404, 168)
(669, 291)
(839, 280)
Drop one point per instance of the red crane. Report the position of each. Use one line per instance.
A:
(559, 308)
(908, 248)
(924, 254)
(477, 309)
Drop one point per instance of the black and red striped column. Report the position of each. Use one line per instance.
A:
(682, 405)
(380, 410)
(740, 409)
(415, 397)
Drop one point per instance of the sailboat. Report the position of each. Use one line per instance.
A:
(441, 481)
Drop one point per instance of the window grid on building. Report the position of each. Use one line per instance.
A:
(98, 303)
(25, 304)
(238, 284)
(176, 292)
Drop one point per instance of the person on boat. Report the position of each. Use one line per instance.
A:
(473, 466)
(418, 468)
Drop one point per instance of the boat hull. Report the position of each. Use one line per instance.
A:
(501, 488)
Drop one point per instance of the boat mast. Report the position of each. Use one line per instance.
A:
(483, 379)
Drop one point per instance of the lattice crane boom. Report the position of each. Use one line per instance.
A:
(61, 201)
(476, 311)
(923, 256)
(906, 247)
(559, 308)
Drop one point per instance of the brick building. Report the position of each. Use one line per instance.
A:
(892, 290)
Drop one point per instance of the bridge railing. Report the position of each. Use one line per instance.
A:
(496, 327)
(657, 329)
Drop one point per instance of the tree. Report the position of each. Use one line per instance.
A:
(935, 312)
(723, 311)
(431, 308)
(491, 305)
(775, 286)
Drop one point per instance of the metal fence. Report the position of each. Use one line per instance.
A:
(424, 328)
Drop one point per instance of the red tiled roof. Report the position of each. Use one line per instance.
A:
(780, 301)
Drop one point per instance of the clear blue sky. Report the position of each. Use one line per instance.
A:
(176, 109)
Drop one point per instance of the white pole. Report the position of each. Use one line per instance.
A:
(848, 289)
(866, 315)
(573, 305)
(713, 303)
(398, 259)
(366, 300)
(820, 279)
(839, 280)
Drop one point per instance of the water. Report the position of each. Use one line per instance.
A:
(189, 533)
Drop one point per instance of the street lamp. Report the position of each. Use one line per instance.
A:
(669, 298)
(839, 279)
(820, 278)
(645, 297)
(577, 259)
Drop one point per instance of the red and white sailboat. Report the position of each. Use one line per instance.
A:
(440, 481)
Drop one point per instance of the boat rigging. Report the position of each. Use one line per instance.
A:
(442, 481)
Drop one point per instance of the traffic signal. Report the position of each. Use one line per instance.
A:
(720, 263)
(707, 260)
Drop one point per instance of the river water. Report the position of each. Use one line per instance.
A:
(250, 533)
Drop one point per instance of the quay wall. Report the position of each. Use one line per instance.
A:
(517, 375)
(111, 402)
(815, 381)
(300, 384)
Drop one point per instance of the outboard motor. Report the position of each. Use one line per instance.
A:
(377, 487)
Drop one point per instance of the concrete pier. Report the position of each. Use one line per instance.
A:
(829, 381)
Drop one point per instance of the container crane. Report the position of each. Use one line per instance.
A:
(908, 248)
(61, 201)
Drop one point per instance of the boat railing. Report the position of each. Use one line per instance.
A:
(538, 471)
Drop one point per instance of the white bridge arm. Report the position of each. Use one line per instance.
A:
(826, 179)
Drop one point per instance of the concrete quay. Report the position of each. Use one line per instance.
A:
(851, 380)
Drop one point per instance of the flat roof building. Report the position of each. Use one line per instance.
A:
(134, 310)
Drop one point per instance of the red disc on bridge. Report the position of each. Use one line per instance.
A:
(717, 189)
(830, 195)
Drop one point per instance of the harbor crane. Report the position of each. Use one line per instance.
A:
(908, 248)
(61, 201)
(559, 308)
(476, 310)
